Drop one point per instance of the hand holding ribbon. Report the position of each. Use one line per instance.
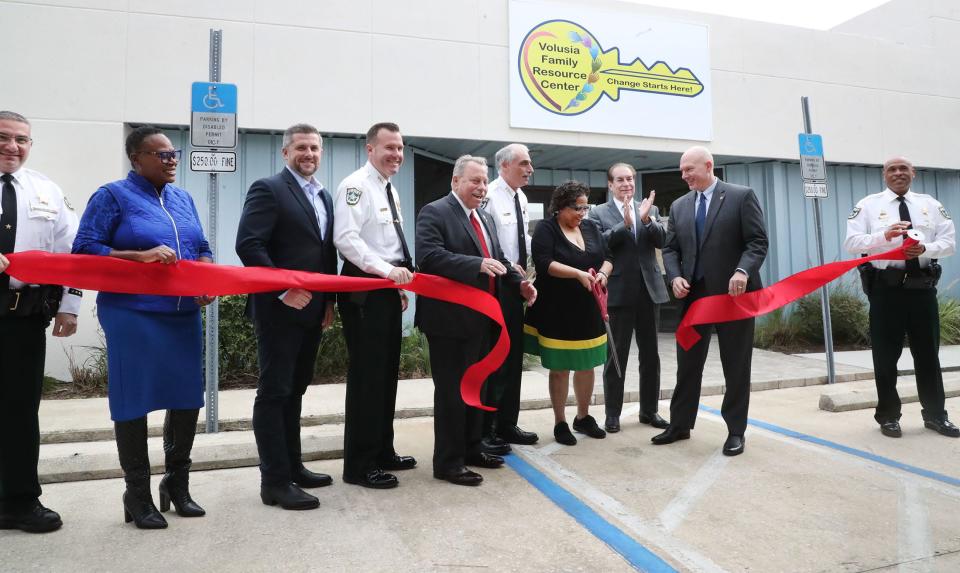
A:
(725, 308)
(190, 278)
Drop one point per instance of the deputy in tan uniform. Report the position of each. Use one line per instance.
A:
(368, 232)
(34, 216)
(903, 294)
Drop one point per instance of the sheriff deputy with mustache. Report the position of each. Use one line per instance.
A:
(903, 294)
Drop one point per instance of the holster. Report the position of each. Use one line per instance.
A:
(868, 277)
(43, 300)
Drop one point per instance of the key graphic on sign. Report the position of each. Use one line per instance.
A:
(565, 70)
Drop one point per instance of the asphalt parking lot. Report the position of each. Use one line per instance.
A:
(814, 491)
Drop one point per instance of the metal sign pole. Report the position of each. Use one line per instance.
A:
(824, 293)
(213, 309)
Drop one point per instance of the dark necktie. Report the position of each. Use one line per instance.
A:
(699, 221)
(701, 216)
(912, 265)
(8, 223)
(483, 245)
(407, 261)
(521, 236)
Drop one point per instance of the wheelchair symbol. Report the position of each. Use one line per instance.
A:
(808, 145)
(212, 100)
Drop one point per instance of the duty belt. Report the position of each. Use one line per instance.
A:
(30, 301)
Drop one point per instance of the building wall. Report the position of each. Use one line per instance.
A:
(83, 70)
(791, 220)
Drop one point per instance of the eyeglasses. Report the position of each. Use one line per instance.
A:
(580, 208)
(165, 156)
(20, 140)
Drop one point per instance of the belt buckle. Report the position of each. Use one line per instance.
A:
(16, 301)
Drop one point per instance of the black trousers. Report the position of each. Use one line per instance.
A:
(503, 387)
(287, 353)
(642, 320)
(456, 426)
(896, 312)
(372, 332)
(23, 345)
(736, 354)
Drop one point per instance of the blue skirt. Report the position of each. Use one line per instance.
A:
(154, 361)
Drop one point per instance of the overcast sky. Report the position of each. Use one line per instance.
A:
(816, 14)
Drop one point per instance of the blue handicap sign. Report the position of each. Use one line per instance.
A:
(811, 144)
(213, 97)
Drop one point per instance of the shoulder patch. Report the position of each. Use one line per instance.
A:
(943, 212)
(853, 214)
(353, 195)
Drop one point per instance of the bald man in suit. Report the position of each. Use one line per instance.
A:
(716, 242)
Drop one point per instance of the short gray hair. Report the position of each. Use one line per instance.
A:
(13, 116)
(299, 128)
(461, 165)
(508, 153)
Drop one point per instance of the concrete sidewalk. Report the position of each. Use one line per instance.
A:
(77, 434)
(83, 420)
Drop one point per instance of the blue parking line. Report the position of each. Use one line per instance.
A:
(641, 558)
(847, 450)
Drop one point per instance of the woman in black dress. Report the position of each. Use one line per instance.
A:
(565, 328)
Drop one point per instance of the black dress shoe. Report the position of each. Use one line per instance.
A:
(733, 446)
(671, 435)
(36, 519)
(494, 445)
(398, 463)
(483, 460)
(461, 476)
(612, 424)
(891, 429)
(287, 496)
(943, 426)
(374, 479)
(514, 435)
(308, 479)
(588, 425)
(563, 435)
(654, 420)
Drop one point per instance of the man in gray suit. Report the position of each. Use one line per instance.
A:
(633, 232)
(716, 242)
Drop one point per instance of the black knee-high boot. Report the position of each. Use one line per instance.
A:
(138, 504)
(179, 428)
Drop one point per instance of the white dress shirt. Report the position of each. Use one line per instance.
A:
(45, 222)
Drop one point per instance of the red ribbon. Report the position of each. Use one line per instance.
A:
(725, 308)
(189, 278)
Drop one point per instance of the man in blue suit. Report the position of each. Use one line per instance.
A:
(287, 223)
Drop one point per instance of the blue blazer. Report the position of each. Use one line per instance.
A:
(131, 215)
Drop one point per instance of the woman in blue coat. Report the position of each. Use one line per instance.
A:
(154, 343)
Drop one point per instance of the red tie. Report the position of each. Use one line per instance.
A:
(483, 245)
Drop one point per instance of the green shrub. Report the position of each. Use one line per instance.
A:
(238, 348)
(89, 374)
(776, 330)
(949, 320)
(238, 343)
(415, 355)
(848, 316)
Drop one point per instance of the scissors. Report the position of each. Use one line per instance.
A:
(600, 294)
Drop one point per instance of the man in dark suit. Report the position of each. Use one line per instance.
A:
(633, 233)
(287, 222)
(457, 240)
(716, 242)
